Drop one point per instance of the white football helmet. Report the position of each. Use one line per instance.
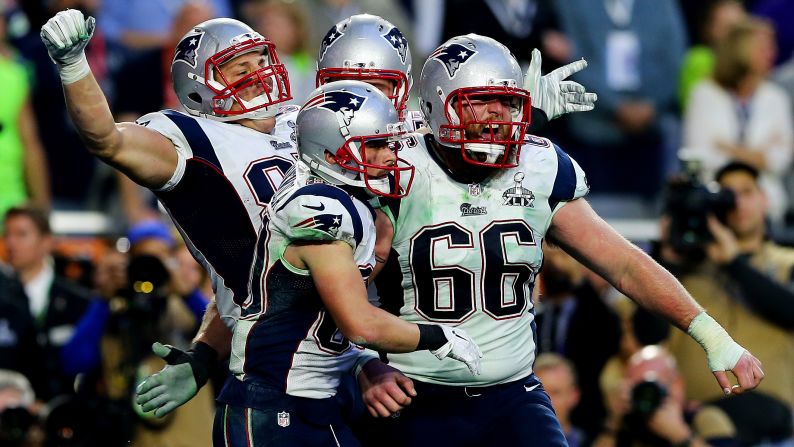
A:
(196, 63)
(344, 118)
(466, 70)
(366, 47)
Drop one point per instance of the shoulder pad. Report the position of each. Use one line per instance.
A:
(319, 212)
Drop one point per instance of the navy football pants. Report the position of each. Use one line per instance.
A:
(513, 414)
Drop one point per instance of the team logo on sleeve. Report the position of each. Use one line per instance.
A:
(327, 223)
(398, 42)
(186, 49)
(344, 104)
(332, 36)
(453, 56)
(518, 195)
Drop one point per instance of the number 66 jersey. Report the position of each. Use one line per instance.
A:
(467, 255)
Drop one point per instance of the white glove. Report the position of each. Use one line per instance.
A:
(65, 35)
(460, 347)
(554, 95)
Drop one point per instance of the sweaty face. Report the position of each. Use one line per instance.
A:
(378, 152)
(747, 219)
(240, 67)
(25, 244)
(479, 114)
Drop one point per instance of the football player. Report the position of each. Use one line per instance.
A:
(213, 168)
(467, 249)
(369, 48)
(309, 297)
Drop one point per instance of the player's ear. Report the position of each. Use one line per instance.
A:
(329, 157)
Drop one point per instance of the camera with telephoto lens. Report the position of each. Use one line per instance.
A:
(688, 202)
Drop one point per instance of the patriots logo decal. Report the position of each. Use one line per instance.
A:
(398, 42)
(329, 40)
(344, 104)
(186, 49)
(453, 56)
(327, 223)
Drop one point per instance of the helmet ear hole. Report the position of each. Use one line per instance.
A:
(194, 97)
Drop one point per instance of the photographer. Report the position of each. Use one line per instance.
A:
(144, 298)
(742, 281)
(655, 412)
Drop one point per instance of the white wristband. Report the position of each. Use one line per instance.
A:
(722, 352)
(73, 71)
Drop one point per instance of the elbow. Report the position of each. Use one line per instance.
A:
(363, 332)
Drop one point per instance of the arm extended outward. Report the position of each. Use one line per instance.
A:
(589, 239)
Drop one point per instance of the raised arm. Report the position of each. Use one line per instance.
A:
(144, 155)
(583, 234)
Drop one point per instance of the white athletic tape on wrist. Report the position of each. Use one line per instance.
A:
(73, 71)
(723, 353)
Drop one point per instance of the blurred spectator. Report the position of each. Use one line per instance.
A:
(781, 14)
(559, 380)
(146, 24)
(19, 350)
(744, 284)
(634, 49)
(19, 415)
(520, 25)
(571, 313)
(741, 115)
(70, 170)
(143, 300)
(655, 411)
(699, 59)
(23, 166)
(284, 23)
(55, 303)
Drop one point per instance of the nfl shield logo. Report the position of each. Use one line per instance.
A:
(474, 189)
(283, 419)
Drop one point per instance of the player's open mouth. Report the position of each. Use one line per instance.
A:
(485, 132)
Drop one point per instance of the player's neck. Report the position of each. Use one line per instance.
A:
(453, 164)
(263, 125)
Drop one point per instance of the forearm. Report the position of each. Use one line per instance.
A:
(91, 115)
(656, 289)
(382, 331)
(214, 333)
(771, 299)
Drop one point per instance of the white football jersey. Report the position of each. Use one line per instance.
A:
(225, 177)
(468, 254)
(284, 337)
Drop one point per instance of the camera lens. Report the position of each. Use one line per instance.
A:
(647, 396)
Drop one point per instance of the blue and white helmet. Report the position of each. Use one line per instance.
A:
(365, 47)
(462, 71)
(203, 90)
(343, 118)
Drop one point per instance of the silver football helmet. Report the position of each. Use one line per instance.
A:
(460, 74)
(345, 119)
(367, 47)
(202, 88)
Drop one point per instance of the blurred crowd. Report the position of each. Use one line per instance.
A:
(693, 127)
